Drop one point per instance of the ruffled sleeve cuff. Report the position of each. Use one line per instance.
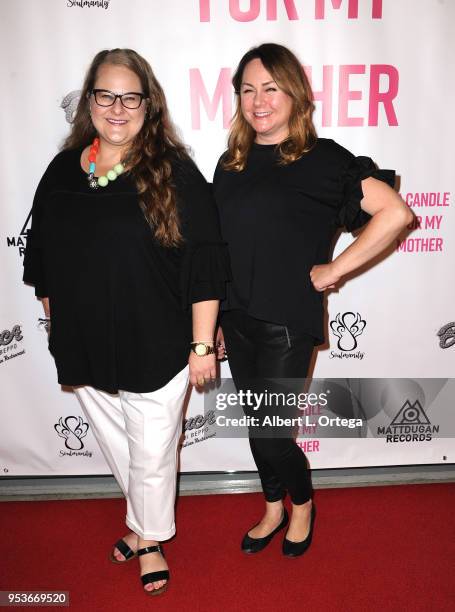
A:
(205, 272)
(350, 215)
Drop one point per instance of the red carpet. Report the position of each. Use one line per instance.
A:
(374, 549)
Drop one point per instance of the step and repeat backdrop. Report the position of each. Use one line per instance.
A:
(382, 74)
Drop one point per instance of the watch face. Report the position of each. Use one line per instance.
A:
(200, 349)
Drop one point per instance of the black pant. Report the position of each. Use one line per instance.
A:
(259, 353)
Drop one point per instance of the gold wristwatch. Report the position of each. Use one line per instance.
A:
(202, 349)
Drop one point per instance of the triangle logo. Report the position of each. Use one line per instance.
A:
(411, 414)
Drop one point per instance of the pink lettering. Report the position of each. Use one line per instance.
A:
(288, 5)
(204, 10)
(433, 222)
(250, 15)
(428, 199)
(346, 94)
(386, 98)
(324, 95)
(353, 8)
(420, 245)
(254, 9)
(199, 93)
(309, 446)
(429, 222)
(222, 95)
(416, 223)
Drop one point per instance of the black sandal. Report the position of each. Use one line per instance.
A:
(125, 550)
(154, 576)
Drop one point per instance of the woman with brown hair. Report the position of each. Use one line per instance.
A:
(126, 256)
(282, 192)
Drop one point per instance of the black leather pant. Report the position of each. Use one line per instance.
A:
(259, 353)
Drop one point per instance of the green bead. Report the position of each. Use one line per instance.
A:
(103, 181)
(119, 168)
(111, 175)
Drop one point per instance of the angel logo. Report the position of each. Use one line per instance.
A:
(69, 104)
(447, 335)
(72, 429)
(347, 327)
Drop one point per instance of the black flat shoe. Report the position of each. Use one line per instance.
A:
(126, 551)
(154, 576)
(254, 545)
(295, 549)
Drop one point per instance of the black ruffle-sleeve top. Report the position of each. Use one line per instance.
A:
(119, 300)
(279, 221)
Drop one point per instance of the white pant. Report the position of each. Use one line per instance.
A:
(138, 434)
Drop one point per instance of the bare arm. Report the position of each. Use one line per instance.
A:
(46, 308)
(204, 320)
(390, 216)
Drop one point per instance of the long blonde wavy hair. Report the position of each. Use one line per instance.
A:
(290, 77)
(150, 155)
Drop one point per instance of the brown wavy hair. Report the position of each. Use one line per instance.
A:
(288, 74)
(150, 155)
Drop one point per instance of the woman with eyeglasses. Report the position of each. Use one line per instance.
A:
(282, 192)
(126, 256)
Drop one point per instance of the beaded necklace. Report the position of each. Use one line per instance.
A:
(111, 175)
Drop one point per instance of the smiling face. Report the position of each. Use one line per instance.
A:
(116, 125)
(264, 105)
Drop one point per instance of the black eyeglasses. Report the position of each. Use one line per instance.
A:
(131, 100)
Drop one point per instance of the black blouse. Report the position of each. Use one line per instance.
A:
(119, 300)
(279, 221)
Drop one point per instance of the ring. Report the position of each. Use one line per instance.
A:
(199, 381)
